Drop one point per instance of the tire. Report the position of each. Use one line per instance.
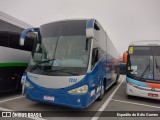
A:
(117, 79)
(129, 96)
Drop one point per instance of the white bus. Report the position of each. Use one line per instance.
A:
(143, 69)
(72, 63)
(13, 57)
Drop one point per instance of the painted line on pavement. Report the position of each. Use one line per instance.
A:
(6, 100)
(135, 103)
(106, 102)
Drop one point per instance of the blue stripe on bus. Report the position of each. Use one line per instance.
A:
(136, 82)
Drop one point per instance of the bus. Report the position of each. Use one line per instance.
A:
(14, 58)
(72, 63)
(143, 69)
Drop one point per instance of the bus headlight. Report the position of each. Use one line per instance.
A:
(27, 84)
(80, 90)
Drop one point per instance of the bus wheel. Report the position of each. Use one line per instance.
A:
(117, 77)
(129, 96)
(102, 94)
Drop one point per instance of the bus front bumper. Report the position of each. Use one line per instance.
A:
(62, 98)
(135, 91)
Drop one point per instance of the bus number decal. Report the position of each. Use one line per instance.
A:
(73, 80)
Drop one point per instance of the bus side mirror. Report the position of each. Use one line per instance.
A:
(24, 32)
(21, 42)
(90, 33)
(22, 37)
(92, 30)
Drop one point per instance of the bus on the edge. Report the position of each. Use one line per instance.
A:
(143, 69)
(72, 63)
(13, 57)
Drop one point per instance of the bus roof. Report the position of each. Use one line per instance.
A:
(13, 20)
(78, 19)
(145, 43)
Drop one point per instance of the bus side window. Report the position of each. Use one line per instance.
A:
(95, 56)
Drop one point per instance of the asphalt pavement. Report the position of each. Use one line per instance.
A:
(115, 102)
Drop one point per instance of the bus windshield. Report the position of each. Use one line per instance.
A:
(144, 63)
(60, 53)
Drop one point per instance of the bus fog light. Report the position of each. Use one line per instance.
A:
(80, 90)
(27, 84)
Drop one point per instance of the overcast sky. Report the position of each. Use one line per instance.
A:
(123, 20)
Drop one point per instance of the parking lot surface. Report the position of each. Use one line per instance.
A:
(115, 99)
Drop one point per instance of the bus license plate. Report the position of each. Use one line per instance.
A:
(152, 95)
(50, 98)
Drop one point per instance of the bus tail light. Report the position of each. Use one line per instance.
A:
(80, 90)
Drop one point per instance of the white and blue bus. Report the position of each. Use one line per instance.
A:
(72, 63)
(143, 69)
(13, 57)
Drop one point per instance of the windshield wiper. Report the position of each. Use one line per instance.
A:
(36, 65)
(157, 66)
(146, 69)
(62, 70)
